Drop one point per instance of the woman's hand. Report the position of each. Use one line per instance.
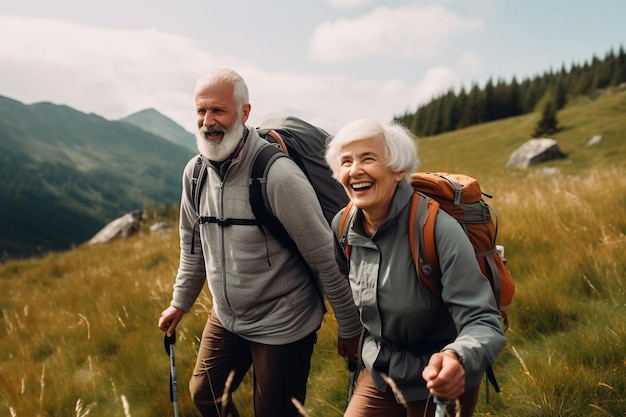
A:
(445, 376)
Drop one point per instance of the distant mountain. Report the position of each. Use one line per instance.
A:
(65, 174)
(152, 121)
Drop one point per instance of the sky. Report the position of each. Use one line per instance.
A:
(326, 61)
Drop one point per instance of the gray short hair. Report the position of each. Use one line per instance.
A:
(220, 75)
(400, 146)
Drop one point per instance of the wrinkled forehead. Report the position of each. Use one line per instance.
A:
(373, 145)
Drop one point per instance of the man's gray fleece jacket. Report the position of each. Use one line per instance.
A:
(260, 290)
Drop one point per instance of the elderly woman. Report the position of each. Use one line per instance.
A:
(424, 345)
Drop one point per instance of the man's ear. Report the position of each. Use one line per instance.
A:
(245, 112)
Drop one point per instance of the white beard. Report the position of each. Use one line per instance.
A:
(219, 150)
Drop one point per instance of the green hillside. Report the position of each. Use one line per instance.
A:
(483, 150)
(66, 174)
(79, 331)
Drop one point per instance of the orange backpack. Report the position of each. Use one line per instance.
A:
(461, 197)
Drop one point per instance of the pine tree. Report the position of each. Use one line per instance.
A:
(548, 124)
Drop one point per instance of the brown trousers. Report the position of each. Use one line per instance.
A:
(280, 373)
(367, 401)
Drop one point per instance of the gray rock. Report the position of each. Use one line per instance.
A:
(121, 227)
(535, 151)
(595, 140)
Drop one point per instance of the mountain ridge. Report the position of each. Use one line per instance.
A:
(81, 170)
(155, 122)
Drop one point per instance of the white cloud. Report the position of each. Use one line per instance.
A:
(327, 100)
(334, 100)
(110, 72)
(114, 73)
(403, 32)
(347, 4)
(437, 81)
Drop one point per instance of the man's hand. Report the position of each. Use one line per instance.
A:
(170, 317)
(349, 348)
(445, 376)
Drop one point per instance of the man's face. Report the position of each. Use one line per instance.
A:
(220, 122)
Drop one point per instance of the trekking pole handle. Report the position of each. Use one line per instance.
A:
(169, 341)
(440, 411)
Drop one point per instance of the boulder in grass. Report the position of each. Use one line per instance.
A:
(535, 151)
(121, 227)
(595, 140)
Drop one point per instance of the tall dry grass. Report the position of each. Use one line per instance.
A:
(79, 330)
(79, 336)
(565, 237)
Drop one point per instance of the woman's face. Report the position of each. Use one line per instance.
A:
(365, 175)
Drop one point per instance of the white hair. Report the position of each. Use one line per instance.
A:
(400, 146)
(221, 75)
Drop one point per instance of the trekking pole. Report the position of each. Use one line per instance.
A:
(440, 411)
(351, 381)
(169, 342)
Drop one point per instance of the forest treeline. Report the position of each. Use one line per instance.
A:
(501, 99)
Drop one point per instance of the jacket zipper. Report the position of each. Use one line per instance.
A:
(223, 247)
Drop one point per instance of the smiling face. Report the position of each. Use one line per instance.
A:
(365, 175)
(220, 121)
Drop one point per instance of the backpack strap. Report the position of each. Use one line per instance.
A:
(491, 377)
(422, 217)
(346, 219)
(197, 182)
(279, 140)
(258, 195)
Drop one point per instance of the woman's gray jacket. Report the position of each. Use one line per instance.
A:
(404, 322)
(260, 290)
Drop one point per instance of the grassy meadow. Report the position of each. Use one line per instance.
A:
(78, 331)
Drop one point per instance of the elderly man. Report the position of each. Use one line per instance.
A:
(266, 308)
